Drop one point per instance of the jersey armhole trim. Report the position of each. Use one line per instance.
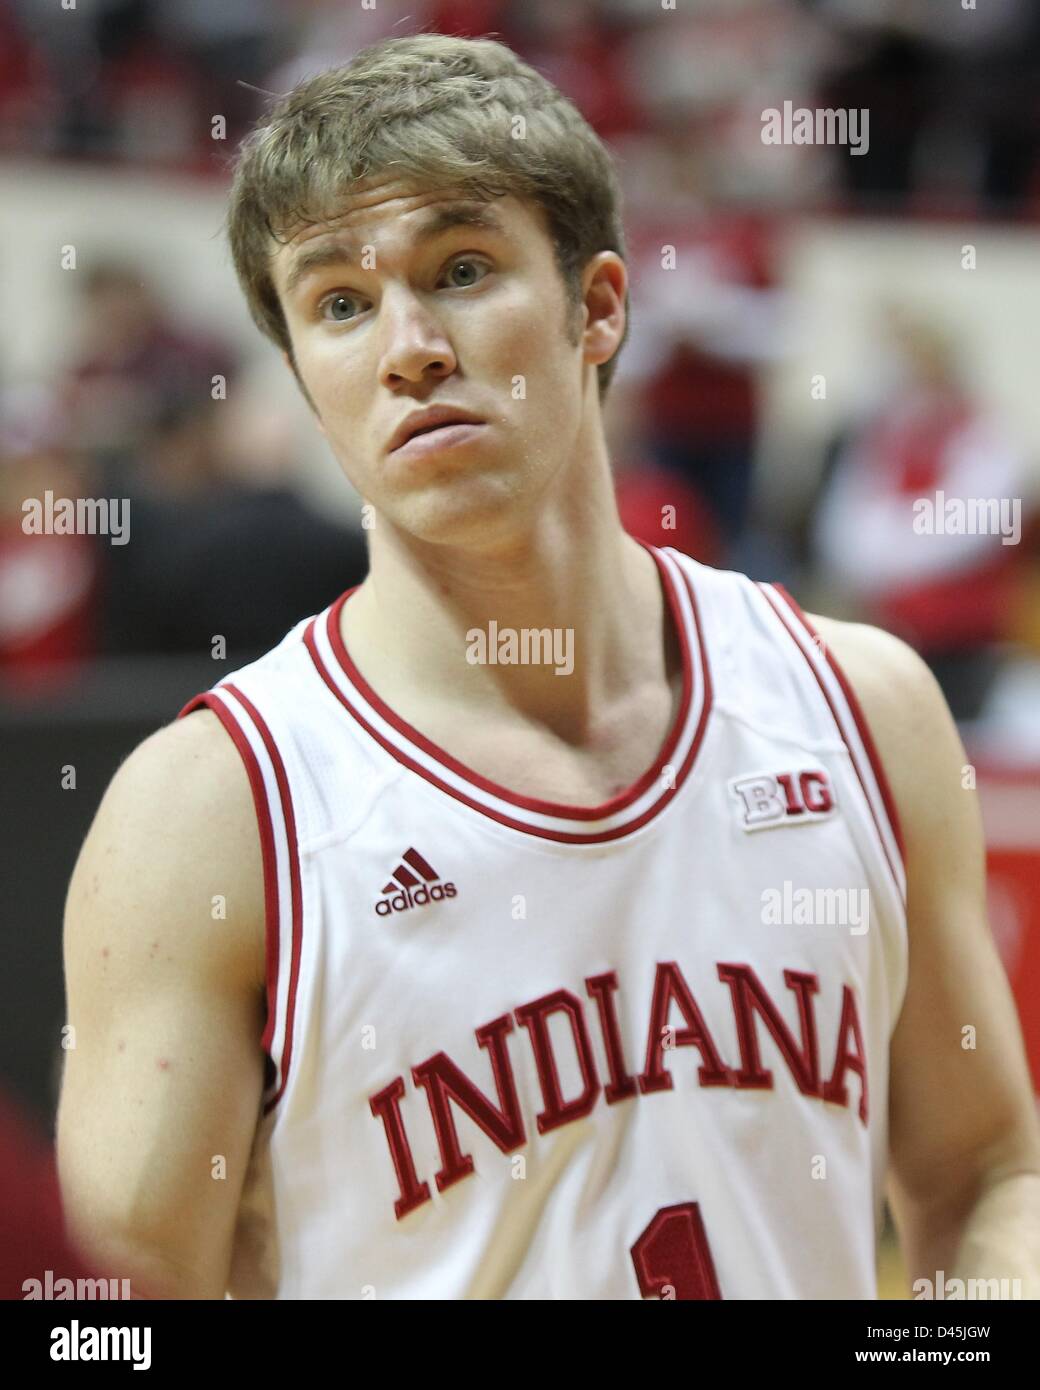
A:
(887, 808)
(282, 897)
(862, 724)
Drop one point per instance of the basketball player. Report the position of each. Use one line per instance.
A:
(553, 916)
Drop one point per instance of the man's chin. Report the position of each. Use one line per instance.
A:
(470, 513)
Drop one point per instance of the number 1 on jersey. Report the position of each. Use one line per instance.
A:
(672, 1256)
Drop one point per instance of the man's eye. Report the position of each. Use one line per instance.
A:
(467, 272)
(339, 308)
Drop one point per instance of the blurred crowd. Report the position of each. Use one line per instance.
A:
(157, 414)
(950, 87)
(224, 541)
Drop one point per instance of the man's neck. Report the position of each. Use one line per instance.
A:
(414, 623)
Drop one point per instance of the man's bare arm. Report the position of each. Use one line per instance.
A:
(964, 1135)
(166, 999)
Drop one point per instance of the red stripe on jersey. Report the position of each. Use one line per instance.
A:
(527, 803)
(502, 793)
(891, 809)
(295, 893)
(265, 823)
(861, 725)
(267, 851)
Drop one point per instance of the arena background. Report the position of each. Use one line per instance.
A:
(820, 338)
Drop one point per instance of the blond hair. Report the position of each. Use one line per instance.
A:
(443, 111)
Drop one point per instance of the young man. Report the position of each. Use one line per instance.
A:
(454, 948)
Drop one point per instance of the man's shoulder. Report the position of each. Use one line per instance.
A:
(183, 794)
(906, 713)
(188, 762)
(892, 682)
(176, 831)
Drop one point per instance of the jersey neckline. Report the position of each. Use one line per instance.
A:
(620, 815)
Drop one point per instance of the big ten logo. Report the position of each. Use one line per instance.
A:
(784, 798)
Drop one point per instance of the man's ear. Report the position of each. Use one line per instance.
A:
(605, 290)
(287, 359)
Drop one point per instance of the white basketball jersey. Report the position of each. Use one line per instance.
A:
(519, 1049)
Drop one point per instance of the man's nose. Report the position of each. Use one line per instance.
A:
(415, 343)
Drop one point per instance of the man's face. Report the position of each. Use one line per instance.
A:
(413, 298)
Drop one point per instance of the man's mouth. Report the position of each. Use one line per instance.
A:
(437, 437)
(432, 420)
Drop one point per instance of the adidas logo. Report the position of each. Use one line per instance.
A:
(414, 884)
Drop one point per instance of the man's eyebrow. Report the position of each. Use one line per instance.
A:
(342, 250)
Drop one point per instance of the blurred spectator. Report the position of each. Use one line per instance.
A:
(655, 504)
(221, 543)
(584, 56)
(24, 109)
(952, 98)
(136, 80)
(657, 507)
(48, 581)
(33, 1242)
(706, 315)
(470, 19)
(881, 530)
(132, 361)
(329, 35)
(222, 43)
